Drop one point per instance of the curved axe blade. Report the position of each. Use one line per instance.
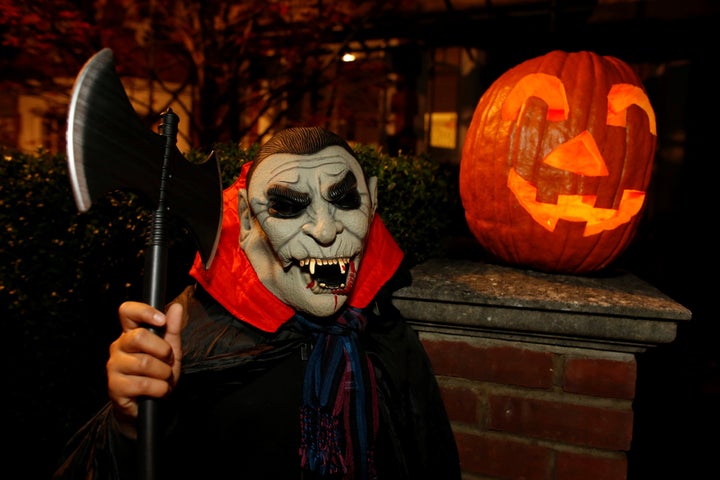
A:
(110, 148)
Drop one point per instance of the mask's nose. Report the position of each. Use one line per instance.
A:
(322, 227)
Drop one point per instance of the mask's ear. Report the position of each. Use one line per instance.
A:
(372, 188)
(245, 214)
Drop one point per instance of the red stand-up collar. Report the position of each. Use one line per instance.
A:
(232, 281)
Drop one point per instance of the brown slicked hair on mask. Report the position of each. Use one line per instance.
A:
(299, 141)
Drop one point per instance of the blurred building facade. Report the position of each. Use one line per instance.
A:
(438, 57)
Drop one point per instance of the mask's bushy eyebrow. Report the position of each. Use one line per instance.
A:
(288, 194)
(340, 189)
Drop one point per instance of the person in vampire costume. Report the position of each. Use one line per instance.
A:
(286, 359)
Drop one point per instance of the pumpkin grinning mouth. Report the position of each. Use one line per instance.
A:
(575, 208)
(327, 273)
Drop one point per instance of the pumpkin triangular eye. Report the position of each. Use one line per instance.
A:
(621, 96)
(579, 155)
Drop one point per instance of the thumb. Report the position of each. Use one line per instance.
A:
(173, 335)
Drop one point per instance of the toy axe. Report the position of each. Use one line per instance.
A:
(109, 148)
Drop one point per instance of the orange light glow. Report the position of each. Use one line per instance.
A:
(547, 87)
(579, 155)
(575, 208)
(621, 96)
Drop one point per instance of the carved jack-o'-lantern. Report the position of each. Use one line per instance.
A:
(557, 161)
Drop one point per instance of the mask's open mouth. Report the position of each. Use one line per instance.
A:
(334, 274)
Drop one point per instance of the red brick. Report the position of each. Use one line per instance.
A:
(570, 423)
(575, 466)
(461, 404)
(498, 364)
(502, 458)
(600, 377)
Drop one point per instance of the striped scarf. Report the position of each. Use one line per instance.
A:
(339, 415)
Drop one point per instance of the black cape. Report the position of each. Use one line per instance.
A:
(234, 412)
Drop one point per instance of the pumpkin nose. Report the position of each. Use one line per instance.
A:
(579, 155)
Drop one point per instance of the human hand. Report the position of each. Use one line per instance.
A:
(142, 363)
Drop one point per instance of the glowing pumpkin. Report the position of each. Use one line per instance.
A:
(557, 161)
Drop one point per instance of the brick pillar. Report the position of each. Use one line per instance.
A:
(538, 371)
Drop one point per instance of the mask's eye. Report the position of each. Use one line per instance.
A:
(284, 202)
(349, 201)
(344, 194)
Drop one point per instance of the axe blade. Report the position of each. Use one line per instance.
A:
(110, 148)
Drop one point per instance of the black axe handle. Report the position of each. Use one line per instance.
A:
(155, 284)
